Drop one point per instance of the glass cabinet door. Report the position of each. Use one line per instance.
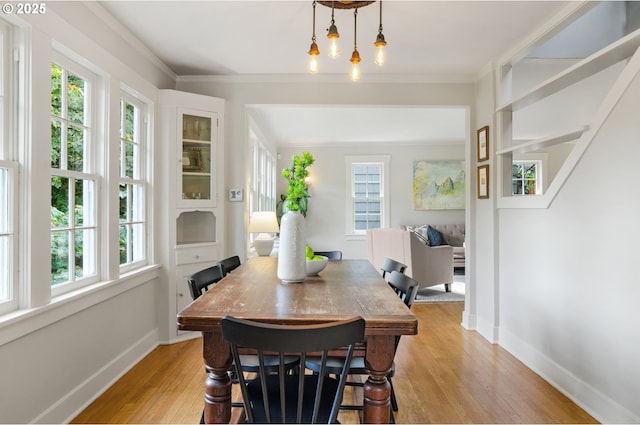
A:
(197, 174)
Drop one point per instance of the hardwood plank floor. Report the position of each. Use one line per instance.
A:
(443, 375)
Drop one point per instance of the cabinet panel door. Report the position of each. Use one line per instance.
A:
(183, 295)
(197, 158)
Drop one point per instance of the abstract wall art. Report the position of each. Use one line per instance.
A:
(438, 185)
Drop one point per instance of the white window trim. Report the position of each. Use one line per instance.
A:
(11, 303)
(8, 126)
(542, 159)
(95, 119)
(350, 160)
(142, 178)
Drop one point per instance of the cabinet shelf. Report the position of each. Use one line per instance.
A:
(534, 145)
(599, 61)
(196, 142)
(195, 173)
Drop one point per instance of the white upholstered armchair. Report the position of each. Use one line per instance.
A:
(427, 265)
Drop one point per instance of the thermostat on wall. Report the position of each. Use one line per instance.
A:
(235, 195)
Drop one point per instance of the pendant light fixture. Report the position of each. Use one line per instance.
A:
(313, 50)
(333, 36)
(380, 43)
(355, 56)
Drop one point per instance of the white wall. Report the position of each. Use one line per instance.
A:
(239, 93)
(481, 309)
(56, 354)
(568, 276)
(326, 217)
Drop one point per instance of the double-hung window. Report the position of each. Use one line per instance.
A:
(132, 227)
(263, 172)
(8, 181)
(74, 184)
(367, 205)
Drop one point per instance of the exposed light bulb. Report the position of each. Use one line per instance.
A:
(313, 57)
(355, 66)
(380, 55)
(313, 64)
(355, 71)
(334, 48)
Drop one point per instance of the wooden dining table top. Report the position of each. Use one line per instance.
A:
(344, 289)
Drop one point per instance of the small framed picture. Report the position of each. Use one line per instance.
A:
(483, 143)
(235, 195)
(483, 181)
(192, 160)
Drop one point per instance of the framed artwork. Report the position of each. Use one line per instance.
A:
(438, 185)
(483, 143)
(192, 160)
(483, 181)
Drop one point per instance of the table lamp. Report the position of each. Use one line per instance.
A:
(263, 222)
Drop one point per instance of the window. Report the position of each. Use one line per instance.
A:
(367, 206)
(8, 183)
(526, 177)
(263, 183)
(74, 199)
(132, 188)
(8, 241)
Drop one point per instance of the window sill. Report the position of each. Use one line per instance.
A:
(19, 323)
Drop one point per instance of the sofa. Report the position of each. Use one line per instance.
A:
(452, 234)
(428, 265)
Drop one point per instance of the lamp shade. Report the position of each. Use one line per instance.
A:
(263, 222)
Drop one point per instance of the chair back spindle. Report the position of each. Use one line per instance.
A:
(286, 397)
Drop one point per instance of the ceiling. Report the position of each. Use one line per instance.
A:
(428, 40)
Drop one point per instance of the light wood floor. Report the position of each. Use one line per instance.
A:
(443, 375)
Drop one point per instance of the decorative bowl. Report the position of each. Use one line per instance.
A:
(316, 266)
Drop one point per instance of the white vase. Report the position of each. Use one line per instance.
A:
(292, 266)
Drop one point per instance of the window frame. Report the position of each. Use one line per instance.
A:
(263, 177)
(539, 180)
(89, 174)
(140, 180)
(10, 301)
(9, 194)
(351, 162)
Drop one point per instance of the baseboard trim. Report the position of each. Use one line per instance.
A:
(597, 404)
(74, 402)
(487, 330)
(469, 320)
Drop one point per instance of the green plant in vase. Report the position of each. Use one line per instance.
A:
(297, 192)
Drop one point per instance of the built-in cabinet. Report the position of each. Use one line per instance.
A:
(192, 135)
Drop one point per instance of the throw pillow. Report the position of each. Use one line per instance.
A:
(435, 237)
(420, 237)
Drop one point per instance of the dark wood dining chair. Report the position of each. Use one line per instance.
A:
(200, 281)
(388, 265)
(299, 397)
(229, 264)
(331, 255)
(406, 288)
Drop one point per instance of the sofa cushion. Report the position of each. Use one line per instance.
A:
(435, 237)
(420, 235)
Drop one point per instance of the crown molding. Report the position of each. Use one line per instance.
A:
(128, 37)
(327, 78)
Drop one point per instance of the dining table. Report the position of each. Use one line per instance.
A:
(344, 289)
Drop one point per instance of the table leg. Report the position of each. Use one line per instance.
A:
(217, 397)
(377, 391)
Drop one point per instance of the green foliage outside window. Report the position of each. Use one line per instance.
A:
(524, 177)
(68, 136)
